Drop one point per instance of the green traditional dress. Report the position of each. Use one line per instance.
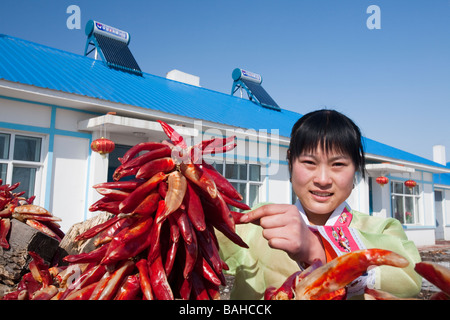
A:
(260, 266)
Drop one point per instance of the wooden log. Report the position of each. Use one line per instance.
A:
(22, 239)
(68, 244)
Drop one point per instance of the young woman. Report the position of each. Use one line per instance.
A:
(324, 155)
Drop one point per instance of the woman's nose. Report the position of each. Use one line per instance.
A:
(322, 176)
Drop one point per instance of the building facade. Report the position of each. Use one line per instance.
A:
(53, 104)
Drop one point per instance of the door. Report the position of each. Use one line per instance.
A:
(439, 214)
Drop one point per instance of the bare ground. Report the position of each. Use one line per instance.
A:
(439, 253)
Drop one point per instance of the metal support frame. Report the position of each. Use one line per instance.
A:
(98, 52)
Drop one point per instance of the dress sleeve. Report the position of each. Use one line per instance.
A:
(256, 268)
(389, 234)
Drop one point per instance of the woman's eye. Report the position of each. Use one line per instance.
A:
(339, 164)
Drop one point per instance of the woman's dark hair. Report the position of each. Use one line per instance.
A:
(331, 131)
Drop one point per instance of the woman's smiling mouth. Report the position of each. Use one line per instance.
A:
(321, 194)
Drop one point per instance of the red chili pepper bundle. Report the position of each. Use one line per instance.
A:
(36, 284)
(14, 205)
(161, 243)
(165, 218)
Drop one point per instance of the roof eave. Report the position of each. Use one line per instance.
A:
(45, 96)
(415, 165)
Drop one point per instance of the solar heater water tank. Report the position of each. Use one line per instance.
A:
(95, 27)
(238, 74)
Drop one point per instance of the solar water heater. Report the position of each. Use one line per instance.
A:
(251, 83)
(111, 44)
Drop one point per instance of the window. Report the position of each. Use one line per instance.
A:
(245, 178)
(405, 203)
(20, 161)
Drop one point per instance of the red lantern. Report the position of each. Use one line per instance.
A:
(382, 180)
(103, 146)
(410, 183)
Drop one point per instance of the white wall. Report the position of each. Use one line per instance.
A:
(381, 200)
(421, 236)
(359, 198)
(67, 119)
(23, 113)
(446, 209)
(22, 118)
(277, 184)
(70, 168)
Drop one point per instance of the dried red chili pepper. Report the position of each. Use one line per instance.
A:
(5, 226)
(144, 279)
(134, 199)
(158, 278)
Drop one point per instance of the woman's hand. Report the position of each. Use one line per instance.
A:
(285, 229)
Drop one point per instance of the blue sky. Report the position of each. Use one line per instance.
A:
(394, 82)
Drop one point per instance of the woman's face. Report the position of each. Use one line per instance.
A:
(322, 181)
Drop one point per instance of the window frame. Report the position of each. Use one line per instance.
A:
(248, 183)
(415, 194)
(38, 165)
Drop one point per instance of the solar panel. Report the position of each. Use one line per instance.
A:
(117, 54)
(113, 46)
(259, 93)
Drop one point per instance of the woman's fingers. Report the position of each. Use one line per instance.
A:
(276, 221)
(281, 225)
(282, 244)
(273, 233)
(284, 229)
(263, 211)
(281, 235)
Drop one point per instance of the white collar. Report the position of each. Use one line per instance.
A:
(331, 220)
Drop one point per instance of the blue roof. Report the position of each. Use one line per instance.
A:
(41, 66)
(381, 149)
(34, 64)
